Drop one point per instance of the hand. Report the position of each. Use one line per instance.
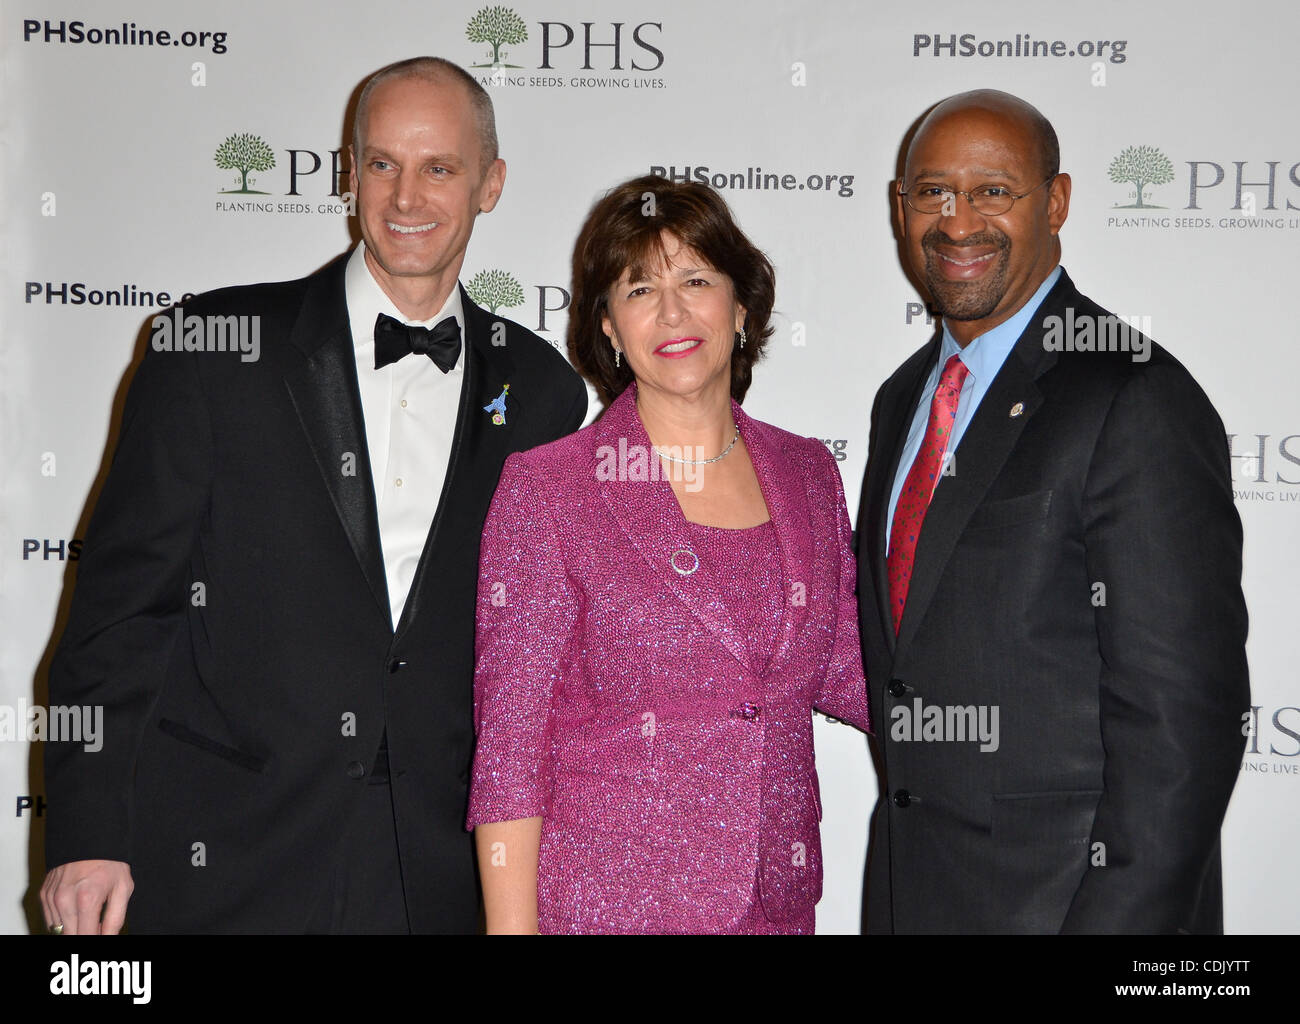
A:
(74, 894)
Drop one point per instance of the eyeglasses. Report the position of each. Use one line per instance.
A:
(989, 200)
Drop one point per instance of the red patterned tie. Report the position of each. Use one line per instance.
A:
(921, 481)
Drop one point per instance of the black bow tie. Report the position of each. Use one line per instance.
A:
(394, 339)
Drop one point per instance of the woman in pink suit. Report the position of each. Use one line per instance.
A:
(664, 598)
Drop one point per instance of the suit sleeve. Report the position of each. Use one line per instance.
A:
(577, 410)
(843, 694)
(128, 606)
(1164, 539)
(527, 615)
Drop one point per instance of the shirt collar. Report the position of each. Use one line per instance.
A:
(985, 355)
(366, 300)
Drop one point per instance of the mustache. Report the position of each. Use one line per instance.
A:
(995, 239)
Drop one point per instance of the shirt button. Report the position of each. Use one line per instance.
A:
(356, 770)
(398, 481)
(902, 798)
(403, 403)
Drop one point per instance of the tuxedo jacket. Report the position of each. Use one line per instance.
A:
(231, 615)
(1080, 572)
(616, 700)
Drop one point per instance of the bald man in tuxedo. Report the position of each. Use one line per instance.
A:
(291, 752)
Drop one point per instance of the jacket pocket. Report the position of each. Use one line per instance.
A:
(195, 739)
(1025, 508)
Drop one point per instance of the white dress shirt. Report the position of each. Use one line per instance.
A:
(410, 409)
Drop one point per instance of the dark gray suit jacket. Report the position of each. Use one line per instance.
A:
(1119, 707)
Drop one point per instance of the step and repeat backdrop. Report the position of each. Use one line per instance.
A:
(156, 149)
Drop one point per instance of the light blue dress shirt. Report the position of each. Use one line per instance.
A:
(983, 358)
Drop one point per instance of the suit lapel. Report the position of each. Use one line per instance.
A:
(984, 449)
(477, 442)
(649, 514)
(327, 399)
(787, 503)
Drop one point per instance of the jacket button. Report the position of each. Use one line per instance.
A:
(356, 770)
(897, 687)
(396, 665)
(902, 798)
(749, 711)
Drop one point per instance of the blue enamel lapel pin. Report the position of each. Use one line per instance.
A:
(497, 407)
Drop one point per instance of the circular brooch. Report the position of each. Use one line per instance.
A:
(684, 562)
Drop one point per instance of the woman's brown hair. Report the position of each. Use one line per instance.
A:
(624, 231)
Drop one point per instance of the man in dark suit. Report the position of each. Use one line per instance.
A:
(1049, 577)
(276, 600)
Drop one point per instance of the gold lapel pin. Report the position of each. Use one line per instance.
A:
(1017, 409)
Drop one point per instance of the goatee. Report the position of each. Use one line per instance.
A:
(966, 300)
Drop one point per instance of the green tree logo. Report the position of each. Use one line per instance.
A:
(495, 289)
(244, 153)
(496, 26)
(1143, 166)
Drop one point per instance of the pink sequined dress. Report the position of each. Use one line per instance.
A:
(740, 572)
(645, 685)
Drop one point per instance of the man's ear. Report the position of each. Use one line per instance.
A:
(352, 173)
(900, 209)
(494, 180)
(1058, 202)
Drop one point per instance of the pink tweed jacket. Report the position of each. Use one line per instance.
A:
(611, 700)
